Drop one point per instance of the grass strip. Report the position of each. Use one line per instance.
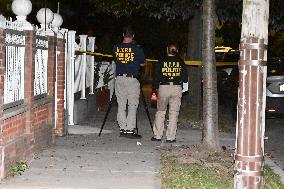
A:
(216, 174)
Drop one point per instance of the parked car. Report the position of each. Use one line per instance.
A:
(230, 56)
(274, 88)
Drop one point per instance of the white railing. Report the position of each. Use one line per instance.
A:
(80, 68)
(15, 61)
(41, 59)
(70, 59)
(90, 65)
(80, 71)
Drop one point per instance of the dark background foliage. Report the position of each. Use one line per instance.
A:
(156, 22)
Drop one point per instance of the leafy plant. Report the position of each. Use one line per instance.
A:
(19, 168)
(107, 76)
(97, 68)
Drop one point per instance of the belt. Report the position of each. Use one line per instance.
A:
(127, 75)
(170, 83)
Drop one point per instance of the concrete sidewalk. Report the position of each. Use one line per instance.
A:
(106, 162)
(86, 161)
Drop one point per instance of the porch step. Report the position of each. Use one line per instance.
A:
(84, 129)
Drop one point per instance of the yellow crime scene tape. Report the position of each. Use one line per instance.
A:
(187, 62)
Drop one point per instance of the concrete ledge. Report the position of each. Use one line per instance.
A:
(82, 130)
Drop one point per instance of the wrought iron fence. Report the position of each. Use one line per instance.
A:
(15, 60)
(41, 59)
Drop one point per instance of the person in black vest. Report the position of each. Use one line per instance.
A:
(170, 73)
(128, 59)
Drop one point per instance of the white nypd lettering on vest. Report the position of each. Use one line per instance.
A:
(124, 55)
(171, 69)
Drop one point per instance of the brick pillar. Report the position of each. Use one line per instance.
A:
(29, 75)
(29, 67)
(29, 78)
(2, 71)
(60, 86)
(51, 78)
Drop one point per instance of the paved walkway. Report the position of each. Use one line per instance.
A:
(86, 161)
(106, 162)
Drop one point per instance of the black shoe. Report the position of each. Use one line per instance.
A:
(132, 134)
(171, 141)
(155, 139)
(122, 133)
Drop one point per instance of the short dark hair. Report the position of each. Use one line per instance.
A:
(172, 48)
(128, 31)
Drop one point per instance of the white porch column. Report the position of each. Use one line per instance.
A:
(92, 59)
(70, 75)
(83, 44)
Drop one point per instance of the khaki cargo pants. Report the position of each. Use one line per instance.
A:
(167, 95)
(127, 91)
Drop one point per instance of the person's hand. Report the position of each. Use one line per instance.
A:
(154, 96)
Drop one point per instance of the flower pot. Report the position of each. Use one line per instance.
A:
(102, 99)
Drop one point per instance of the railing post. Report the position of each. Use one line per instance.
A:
(83, 44)
(92, 62)
(70, 75)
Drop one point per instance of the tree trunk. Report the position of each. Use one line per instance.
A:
(210, 97)
(252, 95)
(194, 52)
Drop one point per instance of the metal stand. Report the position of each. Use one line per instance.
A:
(108, 110)
(110, 105)
(146, 108)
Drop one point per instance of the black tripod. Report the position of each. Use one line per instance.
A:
(110, 105)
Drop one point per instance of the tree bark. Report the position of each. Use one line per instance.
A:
(210, 97)
(252, 95)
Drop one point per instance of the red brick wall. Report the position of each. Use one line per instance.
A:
(42, 127)
(15, 142)
(27, 128)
